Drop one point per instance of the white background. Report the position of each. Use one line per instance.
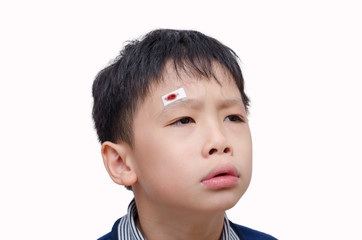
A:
(302, 62)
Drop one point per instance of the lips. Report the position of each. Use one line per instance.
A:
(222, 176)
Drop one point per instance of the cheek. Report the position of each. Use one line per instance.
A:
(163, 159)
(248, 160)
(165, 169)
(243, 151)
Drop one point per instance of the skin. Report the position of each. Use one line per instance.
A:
(175, 147)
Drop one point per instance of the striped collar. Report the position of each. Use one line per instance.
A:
(127, 230)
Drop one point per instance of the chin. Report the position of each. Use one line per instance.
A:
(222, 201)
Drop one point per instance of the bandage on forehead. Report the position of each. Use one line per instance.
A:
(173, 96)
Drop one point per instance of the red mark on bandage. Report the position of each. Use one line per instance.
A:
(171, 97)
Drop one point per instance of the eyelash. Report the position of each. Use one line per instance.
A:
(187, 120)
(181, 121)
(236, 118)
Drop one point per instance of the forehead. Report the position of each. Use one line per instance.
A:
(194, 83)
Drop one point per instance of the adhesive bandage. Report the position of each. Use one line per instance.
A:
(173, 96)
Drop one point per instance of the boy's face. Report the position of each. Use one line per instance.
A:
(179, 149)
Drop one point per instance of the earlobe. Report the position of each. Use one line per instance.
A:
(118, 162)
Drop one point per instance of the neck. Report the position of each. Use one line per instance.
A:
(160, 223)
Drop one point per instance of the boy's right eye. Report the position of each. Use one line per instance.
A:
(183, 121)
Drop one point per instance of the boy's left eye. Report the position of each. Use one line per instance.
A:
(183, 121)
(234, 118)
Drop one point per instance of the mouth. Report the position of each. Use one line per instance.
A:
(222, 176)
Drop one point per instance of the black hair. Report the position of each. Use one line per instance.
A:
(121, 87)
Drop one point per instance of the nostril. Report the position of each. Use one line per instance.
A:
(226, 150)
(212, 151)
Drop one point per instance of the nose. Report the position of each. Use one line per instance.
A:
(216, 143)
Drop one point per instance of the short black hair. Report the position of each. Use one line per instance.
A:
(119, 88)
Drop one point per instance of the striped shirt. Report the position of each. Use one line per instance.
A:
(126, 228)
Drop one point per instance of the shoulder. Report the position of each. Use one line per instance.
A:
(250, 234)
(113, 234)
(105, 237)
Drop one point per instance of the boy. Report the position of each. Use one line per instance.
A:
(171, 114)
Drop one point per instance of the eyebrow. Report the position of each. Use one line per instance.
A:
(231, 102)
(188, 102)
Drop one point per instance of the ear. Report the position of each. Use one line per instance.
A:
(117, 160)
